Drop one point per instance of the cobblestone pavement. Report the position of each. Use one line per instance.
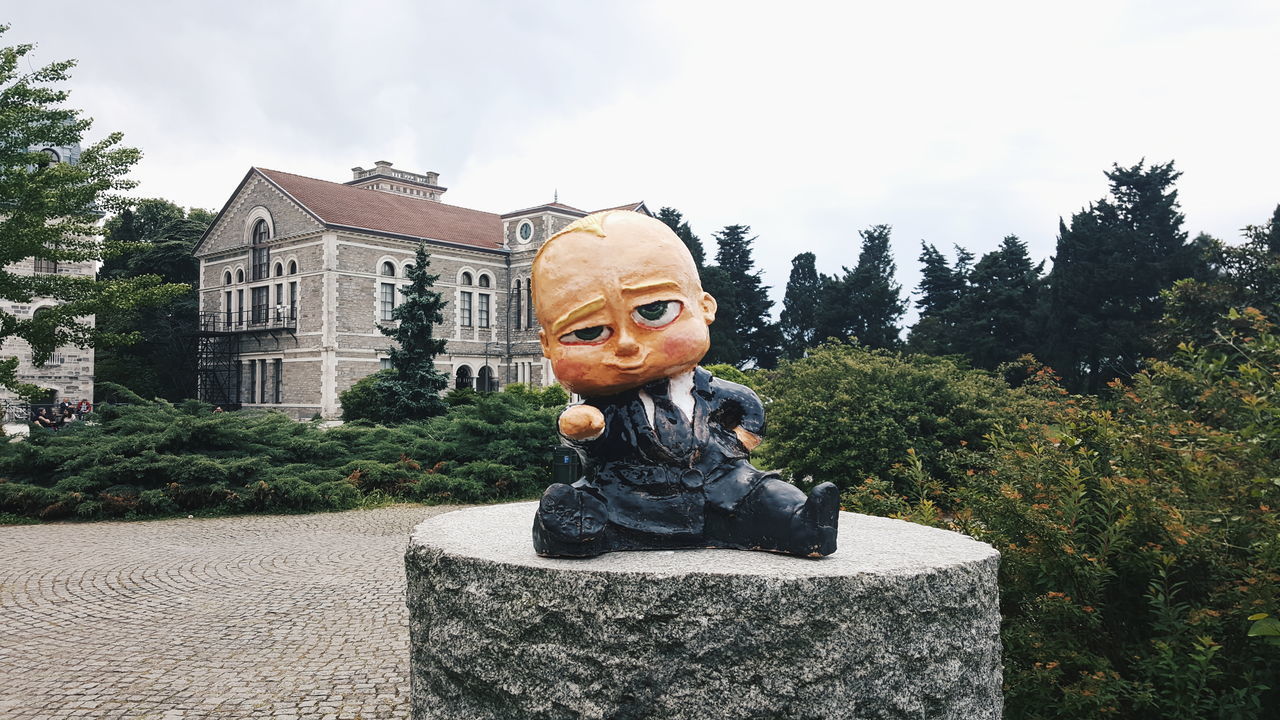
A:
(296, 616)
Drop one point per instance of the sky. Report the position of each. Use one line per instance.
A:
(955, 123)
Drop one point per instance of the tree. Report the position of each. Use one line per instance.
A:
(51, 212)
(866, 302)
(941, 288)
(799, 320)
(413, 391)
(680, 227)
(993, 319)
(744, 305)
(158, 237)
(1111, 263)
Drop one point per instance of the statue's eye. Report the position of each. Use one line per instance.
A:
(657, 314)
(587, 336)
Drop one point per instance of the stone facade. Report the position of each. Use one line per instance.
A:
(298, 336)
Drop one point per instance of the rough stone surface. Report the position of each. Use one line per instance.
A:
(297, 616)
(901, 622)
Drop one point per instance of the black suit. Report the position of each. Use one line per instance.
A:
(691, 486)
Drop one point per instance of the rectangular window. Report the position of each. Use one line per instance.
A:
(229, 310)
(261, 259)
(262, 381)
(293, 300)
(280, 302)
(384, 364)
(240, 307)
(528, 304)
(253, 381)
(278, 379)
(484, 310)
(387, 302)
(466, 309)
(516, 314)
(261, 304)
(46, 267)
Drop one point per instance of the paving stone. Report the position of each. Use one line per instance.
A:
(251, 617)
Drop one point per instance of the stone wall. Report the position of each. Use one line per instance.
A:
(70, 372)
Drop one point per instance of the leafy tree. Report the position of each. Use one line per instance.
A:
(800, 306)
(866, 302)
(993, 319)
(1111, 263)
(675, 220)
(413, 392)
(157, 238)
(51, 212)
(744, 305)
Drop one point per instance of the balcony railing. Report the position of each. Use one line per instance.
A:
(280, 317)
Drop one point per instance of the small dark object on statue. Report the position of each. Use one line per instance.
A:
(664, 444)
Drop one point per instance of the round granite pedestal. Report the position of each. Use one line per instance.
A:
(901, 622)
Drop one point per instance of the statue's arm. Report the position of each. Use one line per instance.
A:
(581, 423)
(741, 410)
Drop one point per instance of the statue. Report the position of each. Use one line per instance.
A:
(664, 443)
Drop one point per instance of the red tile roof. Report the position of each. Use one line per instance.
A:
(634, 207)
(355, 207)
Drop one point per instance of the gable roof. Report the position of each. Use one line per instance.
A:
(359, 208)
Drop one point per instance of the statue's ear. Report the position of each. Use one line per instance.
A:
(542, 338)
(709, 307)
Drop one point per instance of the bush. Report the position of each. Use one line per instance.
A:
(155, 459)
(1139, 539)
(363, 401)
(846, 413)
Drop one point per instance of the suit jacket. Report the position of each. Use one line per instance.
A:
(651, 488)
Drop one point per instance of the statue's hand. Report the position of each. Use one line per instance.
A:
(749, 439)
(582, 422)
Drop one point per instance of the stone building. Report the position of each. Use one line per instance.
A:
(298, 274)
(69, 373)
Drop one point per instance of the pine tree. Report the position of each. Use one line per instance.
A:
(744, 305)
(413, 391)
(1273, 233)
(941, 288)
(993, 318)
(866, 302)
(799, 320)
(675, 220)
(1112, 262)
(52, 211)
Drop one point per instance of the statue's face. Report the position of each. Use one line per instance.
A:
(622, 310)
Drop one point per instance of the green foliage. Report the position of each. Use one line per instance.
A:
(413, 391)
(846, 413)
(1139, 538)
(864, 303)
(732, 374)
(743, 333)
(800, 305)
(364, 401)
(675, 220)
(52, 210)
(155, 458)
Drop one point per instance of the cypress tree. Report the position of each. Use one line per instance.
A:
(413, 391)
(675, 220)
(993, 319)
(799, 320)
(1111, 263)
(866, 302)
(941, 288)
(744, 304)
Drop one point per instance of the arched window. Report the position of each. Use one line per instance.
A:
(407, 268)
(466, 278)
(462, 378)
(279, 269)
(226, 278)
(389, 269)
(484, 281)
(293, 267)
(240, 276)
(485, 381)
(261, 255)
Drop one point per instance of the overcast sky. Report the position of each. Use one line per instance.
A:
(956, 123)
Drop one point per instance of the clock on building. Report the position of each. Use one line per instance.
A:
(525, 230)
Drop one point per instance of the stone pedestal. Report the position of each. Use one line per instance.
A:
(901, 622)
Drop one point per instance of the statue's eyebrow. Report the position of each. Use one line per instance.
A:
(577, 314)
(671, 285)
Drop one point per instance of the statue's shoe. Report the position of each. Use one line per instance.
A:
(814, 526)
(569, 523)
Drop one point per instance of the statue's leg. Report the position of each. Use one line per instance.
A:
(775, 515)
(570, 522)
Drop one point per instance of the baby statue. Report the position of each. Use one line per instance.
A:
(664, 443)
